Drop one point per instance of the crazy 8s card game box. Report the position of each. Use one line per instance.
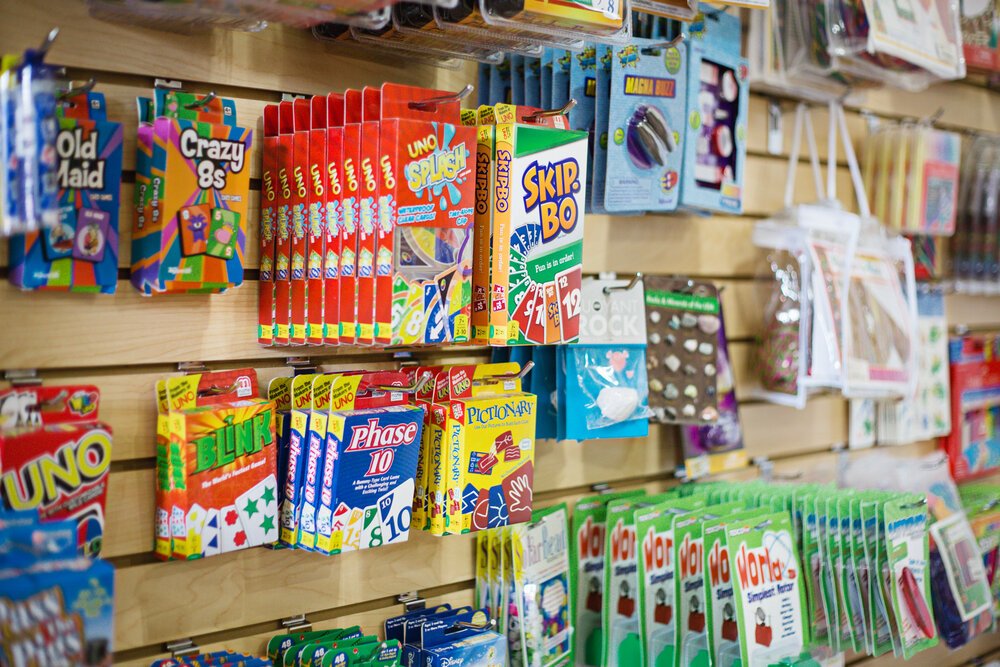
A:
(539, 183)
(216, 466)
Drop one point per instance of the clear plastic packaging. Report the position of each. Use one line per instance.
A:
(418, 22)
(183, 16)
(388, 36)
(465, 21)
(613, 380)
(607, 22)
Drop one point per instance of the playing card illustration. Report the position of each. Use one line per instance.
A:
(178, 528)
(233, 536)
(371, 531)
(498, 514)
(258, 512)
(210, 542)
(395, 511)
(352, 530)
(162, 523)
(195, 520)
(469, 498)
(517, 488)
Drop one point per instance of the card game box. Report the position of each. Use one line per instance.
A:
(377, 450)
(80, 253)
(539, 182)
(489, 442)
(55, 456)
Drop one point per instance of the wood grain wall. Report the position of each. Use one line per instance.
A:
(123, 342)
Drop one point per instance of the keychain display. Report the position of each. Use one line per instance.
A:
(191, 194)
(682, 325)
(717, 106)
(56, 457)
(58, 606)
(80, 252)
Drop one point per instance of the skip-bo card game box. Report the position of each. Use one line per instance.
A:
(539, 183)
(191, 194)
(54, 457)
(80, 253)
(216, 465)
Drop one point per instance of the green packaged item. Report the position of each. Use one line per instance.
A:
(770, 597)
(880, 639)
(655, 531)
(691, 622)
(589, 538)
(723, 630)
(908, 554)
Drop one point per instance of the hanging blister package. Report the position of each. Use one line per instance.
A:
(608, 23)
(769, 595)
(191, 194)
(645, 130)
(718, 98)
(606, 392)
(906, 545)
(537, 247)
(79, 253)
(682, 324)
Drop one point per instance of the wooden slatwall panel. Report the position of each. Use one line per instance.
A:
(123, 342)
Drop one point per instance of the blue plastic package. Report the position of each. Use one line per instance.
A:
(561, 64)
(543, 385)
(532, 82)
(546, 75)
(516, 79)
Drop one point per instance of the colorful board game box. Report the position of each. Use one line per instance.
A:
(349, 232)
(537, 249)
(335, 198)
(483, 223)
(56, 460)
(270, 159)
(80, 253)
(426, 218)
(319, 194)
(299, 211)
(298, 435)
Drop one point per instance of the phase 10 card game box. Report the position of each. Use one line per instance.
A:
(219, 492)
(378, 451)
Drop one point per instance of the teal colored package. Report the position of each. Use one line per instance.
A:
(484, 72)
(561, 392)
(546, 89)
(646, 127)
(583, 88)
(543, 385)
(602, 97)
(572, 402)
(532, 82)
(609, 387)
(521, 355)
(516, 79)
(561, 65)
(717, 101)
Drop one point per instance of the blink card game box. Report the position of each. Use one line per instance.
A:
(537, 250)
(191, 194)
(80, 253)
(217, 473)
(54, 457)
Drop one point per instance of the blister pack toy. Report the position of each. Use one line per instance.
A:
(191, 194)
(57, 608)
(55, 456)
(646, 127)
(717, 101)
(973, 445)
(80, 252)
(537, 250)
(217, 485)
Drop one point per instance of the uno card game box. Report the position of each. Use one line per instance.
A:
(54, 457)
(539, 183)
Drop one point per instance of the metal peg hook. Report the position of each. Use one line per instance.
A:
(475, 626)
(608, 289)
(415, 388)
(434, 101)
(566, 108)
(78, 90)
(647, 50)
(49, 40)
(205, 101)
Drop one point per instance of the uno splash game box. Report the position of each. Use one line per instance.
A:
(539, 183)
(54, 457)
(80, 253)
(191, 194)
(216, 466)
